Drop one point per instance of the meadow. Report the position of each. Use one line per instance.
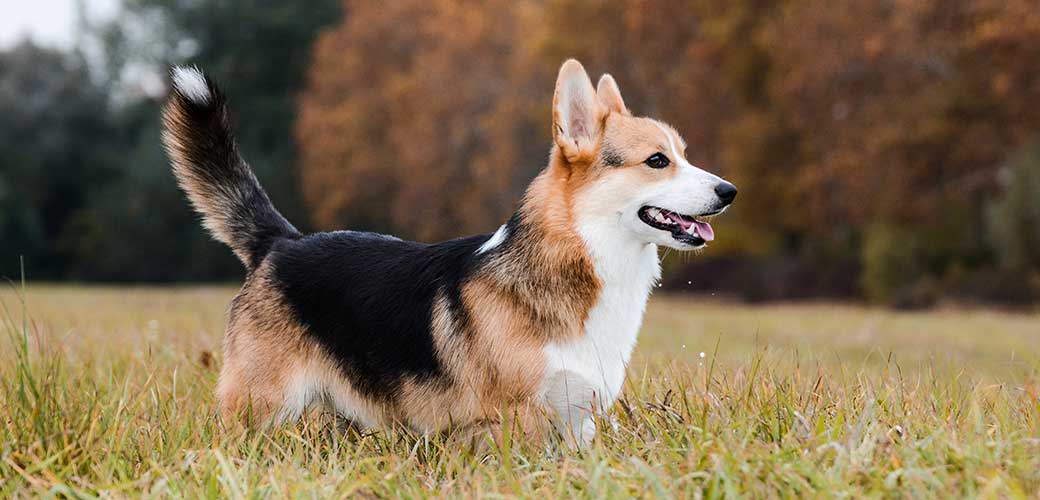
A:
(107, 392)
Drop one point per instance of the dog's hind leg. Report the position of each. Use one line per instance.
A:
(247, 395)
(263, 382)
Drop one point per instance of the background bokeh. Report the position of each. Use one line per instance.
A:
(886, 151)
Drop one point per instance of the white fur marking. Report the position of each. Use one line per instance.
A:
(671, 145)
(299, 393)
(190, 82)
(495, 240)
(682, 161)
(316, 383)
(585, 375)
(627, 269)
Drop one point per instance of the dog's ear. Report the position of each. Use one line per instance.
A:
(610, 95)
(577, 112)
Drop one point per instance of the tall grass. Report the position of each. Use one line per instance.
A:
(108, 393)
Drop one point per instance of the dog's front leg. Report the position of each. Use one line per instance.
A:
(572, 399)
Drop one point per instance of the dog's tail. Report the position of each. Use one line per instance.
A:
(218, 182)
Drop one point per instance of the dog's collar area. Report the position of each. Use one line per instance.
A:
(684, 228)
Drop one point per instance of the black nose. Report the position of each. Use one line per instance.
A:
(726, 191)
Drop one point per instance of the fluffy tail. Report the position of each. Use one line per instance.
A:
(218, 182)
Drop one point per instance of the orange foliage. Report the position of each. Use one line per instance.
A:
(428, 118)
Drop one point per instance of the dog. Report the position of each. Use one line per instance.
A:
(536, 320)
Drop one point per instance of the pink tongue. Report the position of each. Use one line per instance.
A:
(704, 230)
(680, 220)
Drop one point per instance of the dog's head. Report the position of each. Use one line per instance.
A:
(631, 171)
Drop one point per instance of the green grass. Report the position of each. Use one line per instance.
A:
(107, 392)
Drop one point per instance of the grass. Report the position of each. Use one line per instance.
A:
(107, 392)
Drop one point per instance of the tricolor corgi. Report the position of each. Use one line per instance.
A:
(538, 318)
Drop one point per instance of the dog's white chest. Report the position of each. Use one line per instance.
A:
(591, 369)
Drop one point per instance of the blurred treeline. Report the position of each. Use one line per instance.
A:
(887, 150)
(85, 188)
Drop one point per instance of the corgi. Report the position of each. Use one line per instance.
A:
(537, 319)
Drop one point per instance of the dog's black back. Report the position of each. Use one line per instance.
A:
(368, 299)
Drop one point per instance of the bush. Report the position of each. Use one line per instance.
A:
(892, 269)
(1014, 216)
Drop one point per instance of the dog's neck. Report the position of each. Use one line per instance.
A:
(548, 262)
(569, 237)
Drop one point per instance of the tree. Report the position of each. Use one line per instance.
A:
(54, 144)
(403, 128)
(434, 131)
(256, 50)
(136, 225)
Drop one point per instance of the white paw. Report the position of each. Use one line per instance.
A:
(588, 432)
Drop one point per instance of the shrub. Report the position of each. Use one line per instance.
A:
(1014, 216)
(892, 268)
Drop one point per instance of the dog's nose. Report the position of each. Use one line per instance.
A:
(726, 191)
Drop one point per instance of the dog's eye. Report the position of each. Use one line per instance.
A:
(657, 160)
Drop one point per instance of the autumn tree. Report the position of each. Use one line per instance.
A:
(435, 130)
(903, 114)
(845, 126)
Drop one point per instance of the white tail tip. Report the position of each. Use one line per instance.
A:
(189, 81)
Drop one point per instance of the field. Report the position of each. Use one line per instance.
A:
(107, 392)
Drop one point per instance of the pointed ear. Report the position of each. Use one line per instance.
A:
(577, 112)
(610, 95)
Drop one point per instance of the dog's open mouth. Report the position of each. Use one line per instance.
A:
(684, 228)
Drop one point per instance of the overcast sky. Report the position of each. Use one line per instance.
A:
(47, 22)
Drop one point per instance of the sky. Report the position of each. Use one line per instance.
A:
(47, 22)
